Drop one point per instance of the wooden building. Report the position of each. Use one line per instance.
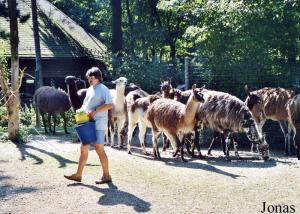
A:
(66, 48)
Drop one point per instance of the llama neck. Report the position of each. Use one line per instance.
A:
(120, 96)
(74, 98)
(190, 110)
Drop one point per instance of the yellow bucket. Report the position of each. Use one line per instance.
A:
(81, 118)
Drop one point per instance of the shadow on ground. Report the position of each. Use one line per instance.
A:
(23, 148)
(7, 190)
(113, 196)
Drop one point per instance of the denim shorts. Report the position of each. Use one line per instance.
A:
(100, 137)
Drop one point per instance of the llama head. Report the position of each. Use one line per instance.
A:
(250, 128)
(254, 103)
(165, 85)
(177, 95)
(70, 80)
(198, 95)
(120, 82)
(152, 98)
(263, 148)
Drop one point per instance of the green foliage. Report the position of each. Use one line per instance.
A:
(3, 117)
(3, 63)
(70, 117)
(142, 73)
(27, 116)
(231, 43)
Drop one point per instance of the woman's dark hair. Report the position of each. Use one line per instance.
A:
(94, 71)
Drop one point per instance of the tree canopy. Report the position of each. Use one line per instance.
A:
(254, 42)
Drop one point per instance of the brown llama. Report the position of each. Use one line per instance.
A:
(271, 103)
(192, 139)
(183, 96)
(166, 90)
(294, 119)
(137, 116)
(227, 114)
(174, 119)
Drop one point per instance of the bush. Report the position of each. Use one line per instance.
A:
(27, 116)
(3, 117)
(70, 117)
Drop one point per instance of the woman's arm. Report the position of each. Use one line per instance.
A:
(102, 108)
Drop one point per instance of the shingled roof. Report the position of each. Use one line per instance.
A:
(60, 36)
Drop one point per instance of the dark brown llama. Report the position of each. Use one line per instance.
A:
(76, 95)
(166, 90)
(271, 103)
(51, 101)
(227, 114)
(294, 119)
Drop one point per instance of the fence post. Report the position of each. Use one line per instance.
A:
(186, 72)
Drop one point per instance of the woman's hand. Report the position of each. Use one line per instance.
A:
(92, 115)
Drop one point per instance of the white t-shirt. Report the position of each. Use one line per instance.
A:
(95, 97)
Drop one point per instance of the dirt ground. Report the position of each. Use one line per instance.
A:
(31, 181)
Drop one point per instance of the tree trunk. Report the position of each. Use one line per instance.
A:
(130, 22)
(13, 104)
(173, 53)
(117, 33)
(38, 64)
(116, 42)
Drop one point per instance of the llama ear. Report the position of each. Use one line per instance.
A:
(161, 81)
(203, 87)
(247, 90)
(169, 80)
(194, 87)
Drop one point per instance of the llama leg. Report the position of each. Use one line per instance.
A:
(142, 134)
(155, 134)
(284, 129)
(227, 140)
(297, 142)
(235, 145)
(215, 136)
(129, 137)
(223, 144)
(178, 144)
(44, 122)
(292, 148)
(253, 148)
(188, 144)
(196, 143)
(112, 134)
(49, 123)
(65, 122)
(106, 136)
(119, 126)
(180, 141)
(166, 142)
(54, 123)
